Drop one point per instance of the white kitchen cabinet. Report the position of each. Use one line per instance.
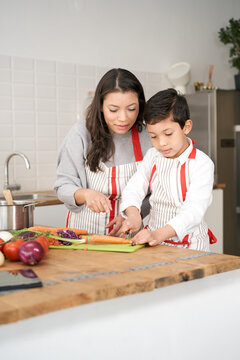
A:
(51, 215)
(214, 219)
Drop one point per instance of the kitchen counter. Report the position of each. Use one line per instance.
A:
(77, 277)
(84, 311)
(40, 201)
(55, 201)
(44, 202)
(219, 186)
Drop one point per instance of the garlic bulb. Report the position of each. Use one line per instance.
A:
(5, 235)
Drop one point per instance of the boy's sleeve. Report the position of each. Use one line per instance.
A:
(198, 198)
(137, 187)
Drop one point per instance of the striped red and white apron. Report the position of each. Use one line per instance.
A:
(110, 182)
(167, 199)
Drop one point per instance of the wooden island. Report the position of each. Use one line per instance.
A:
(119, 304)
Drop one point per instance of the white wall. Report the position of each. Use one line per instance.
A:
(52, 52)
(135, 34)
(39, 101)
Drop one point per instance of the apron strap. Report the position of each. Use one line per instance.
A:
(183, 181)
(136, 144)
(67, 220)
(152, 173)
(113, 195)
(138, 157)
(192, 155)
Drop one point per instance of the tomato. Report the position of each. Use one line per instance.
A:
(11, 249)
(1, 246)
(44, 241)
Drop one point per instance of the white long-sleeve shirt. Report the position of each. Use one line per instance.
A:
(167, 203)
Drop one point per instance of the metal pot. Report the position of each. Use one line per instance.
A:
(17, 216)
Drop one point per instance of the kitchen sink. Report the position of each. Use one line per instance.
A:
(32, 196)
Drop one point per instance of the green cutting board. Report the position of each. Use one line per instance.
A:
(127, 248)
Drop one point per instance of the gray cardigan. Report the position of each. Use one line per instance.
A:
(71, 162)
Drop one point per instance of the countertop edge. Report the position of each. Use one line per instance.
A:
(172, 266)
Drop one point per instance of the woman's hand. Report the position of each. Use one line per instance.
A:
(117, 223)
(95, 200)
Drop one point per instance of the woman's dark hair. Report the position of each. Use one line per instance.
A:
(102, 146)
(166, 102)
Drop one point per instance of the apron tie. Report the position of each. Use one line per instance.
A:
(212, 238)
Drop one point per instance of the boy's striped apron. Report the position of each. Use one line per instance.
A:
(110, 182)
(167, 200)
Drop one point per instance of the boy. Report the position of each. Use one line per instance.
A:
(180, 178)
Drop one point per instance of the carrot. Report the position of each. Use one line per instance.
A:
(43, 229)
(108, 239)
(55, 230)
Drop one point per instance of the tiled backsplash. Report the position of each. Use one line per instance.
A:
(39, 101)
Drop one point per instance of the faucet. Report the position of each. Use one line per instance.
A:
(6, 172)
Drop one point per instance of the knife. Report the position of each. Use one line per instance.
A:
(105, 239)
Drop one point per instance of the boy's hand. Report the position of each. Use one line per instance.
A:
(131, 225)
(133, 222)
(145, 236)
(155, 237)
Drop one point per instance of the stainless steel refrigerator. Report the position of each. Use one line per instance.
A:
(215, 115)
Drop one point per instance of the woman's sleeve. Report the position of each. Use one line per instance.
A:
(137, 187)
(71, 174)
(198, 197)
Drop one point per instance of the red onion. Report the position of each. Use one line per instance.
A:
(28, 273)
(31, 252)
(67, 234)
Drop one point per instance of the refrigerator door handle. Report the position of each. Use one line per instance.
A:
(237, 164)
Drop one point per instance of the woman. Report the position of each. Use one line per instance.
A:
(99, 155)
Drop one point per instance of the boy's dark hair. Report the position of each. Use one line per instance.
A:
(164, 103)
(102, 145)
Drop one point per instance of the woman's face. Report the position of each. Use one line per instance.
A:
(120, 110)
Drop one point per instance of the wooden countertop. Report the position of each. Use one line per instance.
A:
(219, 186)
(52, 201)
(76, 277)
(41, 201)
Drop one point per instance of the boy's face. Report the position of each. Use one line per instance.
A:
(168, 137)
